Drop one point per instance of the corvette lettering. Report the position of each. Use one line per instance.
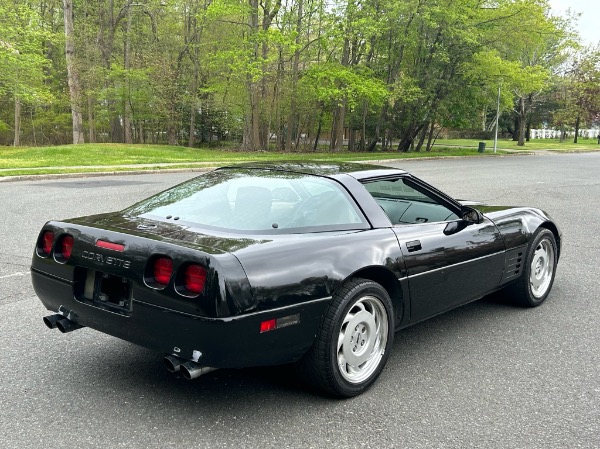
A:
(107, 260)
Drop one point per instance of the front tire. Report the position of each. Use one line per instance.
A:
(352, 345)
(537, 278)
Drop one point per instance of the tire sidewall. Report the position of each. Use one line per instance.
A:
(346, 302)
(540, 235)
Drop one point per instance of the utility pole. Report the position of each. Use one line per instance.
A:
(497, 116)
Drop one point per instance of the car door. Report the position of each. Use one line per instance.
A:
(449, 261)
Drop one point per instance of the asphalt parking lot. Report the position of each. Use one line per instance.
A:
(484, 375)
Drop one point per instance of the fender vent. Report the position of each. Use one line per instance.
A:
(513, 264)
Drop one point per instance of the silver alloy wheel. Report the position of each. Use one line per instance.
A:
(542, 268)
(362, 340)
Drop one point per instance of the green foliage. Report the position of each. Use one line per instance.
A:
(22, 59)
(332, 82)
(294, 73)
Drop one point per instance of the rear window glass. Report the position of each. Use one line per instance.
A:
(256, 201)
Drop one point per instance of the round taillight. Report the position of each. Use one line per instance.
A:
(194, 278)
(163, 269)
(47, 241)
(66, 246)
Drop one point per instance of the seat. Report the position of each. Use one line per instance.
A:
(333, 209)
(252, 208)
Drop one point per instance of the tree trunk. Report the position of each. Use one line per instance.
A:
(408, 137)
(352, 140)
(106, 38)
(522, 122)
(292, 119)
(72, 73)
(515, 131)
(363, 135)
(252, 132)
(577, 124)
(91, 120)
(373, 143)
(194, 102)
(430, 136)
(484, 120)
(422, 135)
(340, 109)
(172, 134)
(339, 126)
(256, 134)
(127, 99)
(17, 141)
(318, 133)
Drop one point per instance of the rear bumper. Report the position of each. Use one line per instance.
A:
(231, 342)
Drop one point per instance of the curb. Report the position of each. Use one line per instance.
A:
(98, 174)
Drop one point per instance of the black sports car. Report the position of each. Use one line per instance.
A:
(264, 264)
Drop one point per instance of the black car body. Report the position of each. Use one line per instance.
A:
(254, 285)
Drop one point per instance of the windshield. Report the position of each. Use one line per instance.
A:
(255, 200)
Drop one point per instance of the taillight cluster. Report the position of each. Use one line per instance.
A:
(63, 246)
(163, 269)
(188, 281)
(194, 278)
(47, 242)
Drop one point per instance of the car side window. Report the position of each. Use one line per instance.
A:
(403, 204)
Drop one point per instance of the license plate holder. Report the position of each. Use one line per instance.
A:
(107, 291)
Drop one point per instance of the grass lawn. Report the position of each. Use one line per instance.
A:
(114, 156)
(533, 144)
(105, 157)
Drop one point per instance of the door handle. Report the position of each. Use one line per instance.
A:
(414, 245)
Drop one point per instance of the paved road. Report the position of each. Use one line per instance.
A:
(484, 375)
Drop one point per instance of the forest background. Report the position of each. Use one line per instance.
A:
(291, 75)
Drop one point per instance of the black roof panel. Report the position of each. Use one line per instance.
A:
(356, 170)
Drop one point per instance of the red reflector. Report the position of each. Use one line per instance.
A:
(268, 325)
(109, 245)
(195, 277)
(47, 241)
(66, 246)
(163, 268)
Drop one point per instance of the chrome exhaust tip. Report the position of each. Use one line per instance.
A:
(191, 370)
(64, 325)
(173, 363)
(51, 320)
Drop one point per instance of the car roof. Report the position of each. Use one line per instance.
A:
(329, 169)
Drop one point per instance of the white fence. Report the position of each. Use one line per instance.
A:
(555, 134)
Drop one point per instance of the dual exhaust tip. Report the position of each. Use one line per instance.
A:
(188, 369)
(61, 323)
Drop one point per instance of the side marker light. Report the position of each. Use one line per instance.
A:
(278, 323)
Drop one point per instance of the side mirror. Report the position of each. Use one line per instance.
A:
(470, 215)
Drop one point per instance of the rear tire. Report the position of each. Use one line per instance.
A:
(535, 283)
(353, 343)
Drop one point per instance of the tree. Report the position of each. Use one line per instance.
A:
(73, 73)
(292, 72)
(580, 99)
(537, 44)
(22, 59)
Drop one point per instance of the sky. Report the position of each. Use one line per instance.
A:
(589, 21)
